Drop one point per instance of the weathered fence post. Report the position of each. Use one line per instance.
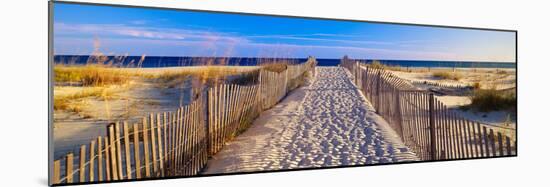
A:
(399, 114)
(359, 75)
(356, 72)
(260, 90)
(377, 107)
(286, 81)
(366, 77)
(432, 127)
(259, 104)
(207, 121)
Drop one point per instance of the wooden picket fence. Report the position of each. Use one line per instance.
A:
(230, 109)
(274, 86)
(424, 123)
(163, 144)
(177, 143)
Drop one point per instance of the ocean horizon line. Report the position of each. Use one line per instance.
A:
(171, 61)
(170, 56)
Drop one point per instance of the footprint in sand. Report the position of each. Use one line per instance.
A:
(326, 123)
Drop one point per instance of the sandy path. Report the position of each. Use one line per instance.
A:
(326, 123)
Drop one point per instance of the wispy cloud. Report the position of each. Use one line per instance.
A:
(121, 38)
(342, 39)
(139, 22)
(118, 34)
(121, 30)
(338, 35)
(227, 47)
(300, 37)
(360, 52)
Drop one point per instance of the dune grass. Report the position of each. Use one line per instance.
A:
(447, 75)
(100, 73)
(276, 65)
(476, 85)
(204, 72)
(200, 76)
(378, 65)
(502, 72)
(493, 100)
(96, 80)
(91, 75)
(69, 102)
(246, 78)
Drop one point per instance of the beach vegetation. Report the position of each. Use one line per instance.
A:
(476, 85)
(277, 66)
(99, 70)
(245, 78)
(501, 72)
(70, 102)
(91, 75)
(378, 65)
(202, 76)
(492, 100)
(204, 72)
(447, 75)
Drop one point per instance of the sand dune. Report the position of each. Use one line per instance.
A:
(487, 77)
(326, 123)
(132, 101)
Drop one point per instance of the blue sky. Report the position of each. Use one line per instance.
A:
(79, 29)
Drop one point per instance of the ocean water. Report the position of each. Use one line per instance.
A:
(154, 61)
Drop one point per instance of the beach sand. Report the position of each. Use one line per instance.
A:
(325, 123)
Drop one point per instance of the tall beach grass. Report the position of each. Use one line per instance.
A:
(493, 100)
(447, 75)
